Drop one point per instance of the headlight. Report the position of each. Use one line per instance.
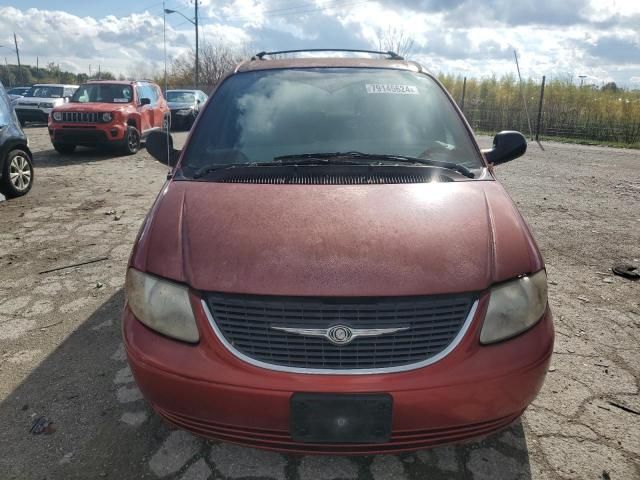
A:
(185, 111)
(161, 305)
(46, 105)
(106, 117)
(57, 116)
(514, 307)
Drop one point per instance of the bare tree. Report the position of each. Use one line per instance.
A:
(217, 58)
(395, 40)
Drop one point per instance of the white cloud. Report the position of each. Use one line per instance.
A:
(598, 38)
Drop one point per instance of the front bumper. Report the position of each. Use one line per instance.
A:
(87, 135)
(182, 120)
(472, 392)
(33, 114)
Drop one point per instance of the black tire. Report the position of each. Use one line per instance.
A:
(131, 143)
(64, 147)
(17, 174)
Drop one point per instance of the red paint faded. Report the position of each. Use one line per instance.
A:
(333, 240)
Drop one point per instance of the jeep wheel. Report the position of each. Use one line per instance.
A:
(131, 141)
(64, 147)
(17, 175)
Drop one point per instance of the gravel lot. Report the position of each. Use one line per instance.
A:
(62, 356)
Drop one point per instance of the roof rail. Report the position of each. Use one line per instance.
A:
(392, 55)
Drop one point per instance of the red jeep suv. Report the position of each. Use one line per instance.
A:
(109, 113)
(333, 267)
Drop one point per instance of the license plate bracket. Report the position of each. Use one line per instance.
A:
(340, 418)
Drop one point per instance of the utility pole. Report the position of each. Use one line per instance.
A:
(464, 90)
(540, 108)
(99, 72)
(194, 22)
(524, 100)
(197, 49)
(164, 45)
(6, 64)
(15, 40)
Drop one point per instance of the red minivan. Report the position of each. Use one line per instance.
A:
(332, 267)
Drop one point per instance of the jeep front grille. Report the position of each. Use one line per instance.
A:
(246, 321)
(82, 117)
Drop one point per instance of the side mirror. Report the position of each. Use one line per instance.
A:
(145, 101)
(507, 145)
(156, 145)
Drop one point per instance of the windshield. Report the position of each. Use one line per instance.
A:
(18, 91)
(103, 93)
(45, 92)
(181, 97)
(257, 116)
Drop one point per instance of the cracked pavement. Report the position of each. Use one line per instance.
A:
(61, 354)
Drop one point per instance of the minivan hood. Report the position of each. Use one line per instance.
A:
(328, 240)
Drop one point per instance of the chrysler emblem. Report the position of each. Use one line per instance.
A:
(339, 334)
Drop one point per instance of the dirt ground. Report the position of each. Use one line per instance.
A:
(61, 354)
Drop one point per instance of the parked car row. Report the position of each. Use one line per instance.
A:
(116, 114)
(101, 113)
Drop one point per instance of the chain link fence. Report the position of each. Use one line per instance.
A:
(557, 110)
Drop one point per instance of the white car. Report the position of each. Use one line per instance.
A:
(37, 103)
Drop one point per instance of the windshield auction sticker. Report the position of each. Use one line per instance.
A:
(395, 89)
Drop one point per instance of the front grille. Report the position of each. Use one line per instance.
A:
(246, 320)
(82, 117)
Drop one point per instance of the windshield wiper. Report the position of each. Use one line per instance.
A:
(337, 158)
(277, 162)
(310, 157)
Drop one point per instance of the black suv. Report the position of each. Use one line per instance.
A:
(16, 166)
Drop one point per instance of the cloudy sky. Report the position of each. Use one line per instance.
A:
(597, 38)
